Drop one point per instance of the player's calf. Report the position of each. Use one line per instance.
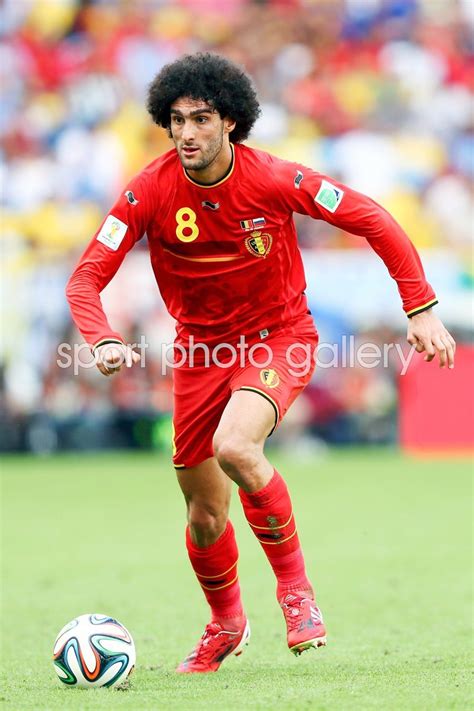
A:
(206, 524)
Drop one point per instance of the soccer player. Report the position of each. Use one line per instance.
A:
(218, 218)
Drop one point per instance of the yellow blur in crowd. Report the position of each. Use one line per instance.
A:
(325, 90)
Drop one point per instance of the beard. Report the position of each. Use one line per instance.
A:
(206, 156)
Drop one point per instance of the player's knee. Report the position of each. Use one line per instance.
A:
(235, 454)
(206, 523)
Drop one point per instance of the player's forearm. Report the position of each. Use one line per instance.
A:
(364, 217)
(83, 296)
(403, 262)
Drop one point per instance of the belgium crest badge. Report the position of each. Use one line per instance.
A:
(259, 244)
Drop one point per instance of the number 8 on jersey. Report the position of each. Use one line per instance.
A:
(186, 227)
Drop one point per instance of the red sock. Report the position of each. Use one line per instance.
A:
(270, 516)
(216, 570)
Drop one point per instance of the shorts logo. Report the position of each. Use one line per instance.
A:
(259, 244)
(131, 197)
(112, 233)
(269, 377)
(329, 196)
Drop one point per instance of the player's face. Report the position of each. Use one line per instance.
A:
(199, 133)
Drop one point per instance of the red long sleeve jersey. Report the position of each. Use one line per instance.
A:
(225, 256)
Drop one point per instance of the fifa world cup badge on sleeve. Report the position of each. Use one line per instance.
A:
(329, 196)
(112, 233)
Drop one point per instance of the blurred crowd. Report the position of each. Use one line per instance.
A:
(377, 93)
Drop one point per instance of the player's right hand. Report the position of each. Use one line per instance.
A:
(112, 356)
(427, 333)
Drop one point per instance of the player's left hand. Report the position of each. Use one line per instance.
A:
(427, 333)
(110, 357)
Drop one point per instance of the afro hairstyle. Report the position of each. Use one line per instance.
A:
(211, 78)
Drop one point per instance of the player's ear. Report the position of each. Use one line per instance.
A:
(229, 124)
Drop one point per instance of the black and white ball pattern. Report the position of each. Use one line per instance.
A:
(94, 650)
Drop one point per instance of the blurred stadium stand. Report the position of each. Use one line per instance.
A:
(374, 92)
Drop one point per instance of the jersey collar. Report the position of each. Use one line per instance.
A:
(225, 177)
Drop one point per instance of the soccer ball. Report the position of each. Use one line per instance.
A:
(92, 651)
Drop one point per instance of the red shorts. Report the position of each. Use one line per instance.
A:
(277, 367)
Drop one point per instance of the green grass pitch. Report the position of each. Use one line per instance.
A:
(387, 543)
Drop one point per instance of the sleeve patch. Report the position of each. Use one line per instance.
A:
(131, 197)
(329, 196)
(112, 233)
(298, 179)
